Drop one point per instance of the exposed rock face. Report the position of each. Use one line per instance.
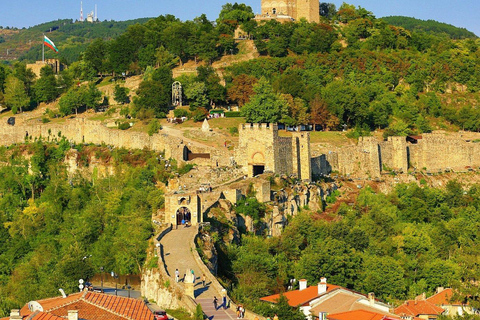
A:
(155, 288)
(206, 244)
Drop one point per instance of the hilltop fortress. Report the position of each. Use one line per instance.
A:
(262, 149)
(290, 10)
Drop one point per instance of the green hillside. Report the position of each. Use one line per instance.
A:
(430, 26)
(71, 38)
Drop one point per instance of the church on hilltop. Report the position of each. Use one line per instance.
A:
(290, 10)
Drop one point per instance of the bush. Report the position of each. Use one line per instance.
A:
(199, 115)
(233, 131)
(233, 114)
(45, 120)
(124, 125)
(178, 113)
(198, 312)
(185, 169)
(153, 127)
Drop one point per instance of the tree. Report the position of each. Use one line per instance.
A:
(327, 10)
(27, 76)
(320, 115)
(16, 97)
(46, 87)
(196, 93)
(120, 94)
(265, 106)
(91, 95)
(384, 276)
(3, 77)
(284, 311)
(241, 89)
(72, 100)
(95, 55)
(154, 96)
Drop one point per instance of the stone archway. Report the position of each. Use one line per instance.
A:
(184, 206)
(257, 164)
(184, 215)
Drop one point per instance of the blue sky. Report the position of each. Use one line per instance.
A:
(25, 13)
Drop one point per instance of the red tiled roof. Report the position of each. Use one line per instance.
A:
(43, 316)
(419, 307)
(443, 298)
(50, 303)
(94, 306)
(297, 298)
(360, 315)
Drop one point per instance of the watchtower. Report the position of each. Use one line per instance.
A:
(290, 9)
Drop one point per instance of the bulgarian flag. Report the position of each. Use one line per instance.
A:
(49, 43)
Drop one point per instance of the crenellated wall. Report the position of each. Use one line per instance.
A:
(87, 131)
(433, 152)
(260, 145)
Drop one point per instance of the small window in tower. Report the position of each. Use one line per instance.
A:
(274, 11)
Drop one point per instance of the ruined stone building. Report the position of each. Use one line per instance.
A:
(260, 149)
(432, 152)
(55, 64)
(290, 10)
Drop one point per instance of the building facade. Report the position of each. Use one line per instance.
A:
(292, 10)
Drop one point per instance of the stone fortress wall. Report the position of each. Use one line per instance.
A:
(87, 131)
(434, 152)
(261, 145)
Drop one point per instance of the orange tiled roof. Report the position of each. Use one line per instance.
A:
(50, 303)
(360, 315)
(95, 306)
(419, 307)
(443, 298)
(297, 298)
(43, 316)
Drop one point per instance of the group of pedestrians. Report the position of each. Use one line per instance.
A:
(240, 312)
(177, 277)
(274, 318)
(223, 305)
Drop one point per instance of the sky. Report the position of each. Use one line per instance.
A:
(26, 13)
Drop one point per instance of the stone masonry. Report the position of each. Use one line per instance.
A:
(87, 131)
(290, 9)
(260, 149)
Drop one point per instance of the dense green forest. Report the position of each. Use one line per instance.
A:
(56, 227)
(71, 37)
(351, 69)
(398, 245)
(429, 26)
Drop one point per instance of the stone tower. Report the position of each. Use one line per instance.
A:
(290, 9)
(260, 149)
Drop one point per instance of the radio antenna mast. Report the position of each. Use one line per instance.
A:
(81, 11)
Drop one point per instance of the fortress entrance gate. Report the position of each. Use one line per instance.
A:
(180, 207)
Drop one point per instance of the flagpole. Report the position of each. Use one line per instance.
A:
(43, 49)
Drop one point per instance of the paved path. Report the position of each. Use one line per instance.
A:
(177, 255)
(218, 314)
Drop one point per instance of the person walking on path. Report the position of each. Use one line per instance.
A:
(224, 302)
(203, 280)
(215, 302)
(275, 317)
(193, 276)
(177, 275)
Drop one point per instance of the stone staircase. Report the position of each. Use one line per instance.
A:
(215, 314)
